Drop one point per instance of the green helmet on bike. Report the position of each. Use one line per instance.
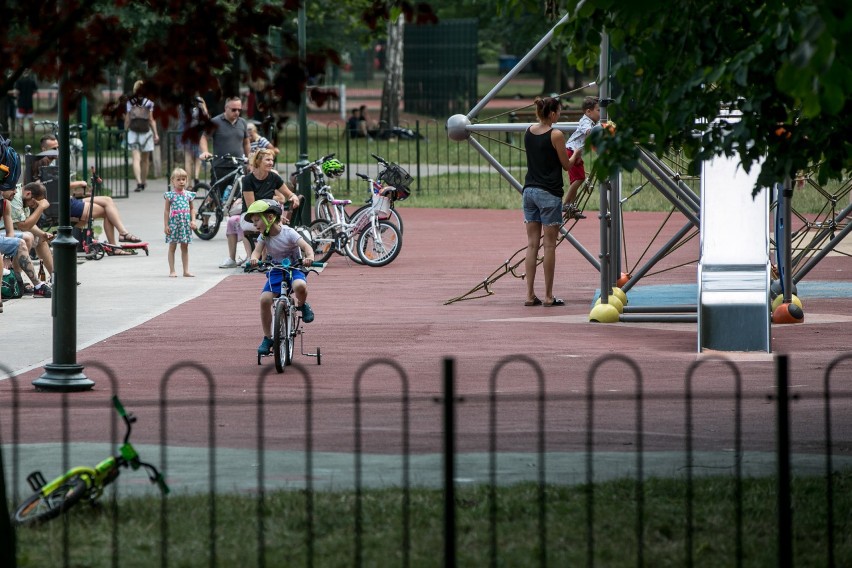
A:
(264, 206)
(333, 168)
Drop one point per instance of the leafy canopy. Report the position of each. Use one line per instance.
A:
(179, 48)
(784, 65)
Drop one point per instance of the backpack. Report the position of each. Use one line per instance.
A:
(140, 117)
(11, 289)
(10, 165)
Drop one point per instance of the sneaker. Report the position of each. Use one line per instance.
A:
(139, 187)
(229, 263)
(265, 346)
(307, 313)
(42, 291)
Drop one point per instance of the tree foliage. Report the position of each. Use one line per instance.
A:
(785, 66)
(179, 48)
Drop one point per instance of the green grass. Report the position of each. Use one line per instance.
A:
(285, 524)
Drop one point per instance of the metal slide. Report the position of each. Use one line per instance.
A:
(734, 268)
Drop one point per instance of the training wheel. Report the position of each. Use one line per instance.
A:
(319, 356)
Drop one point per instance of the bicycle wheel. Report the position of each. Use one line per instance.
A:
(349, 249)
(200, 190)
(324, 209)
(322, 239)
(208, 217)
(38, 508)
(358, 218)
(379, 244)
(394, 218)
(282, 336)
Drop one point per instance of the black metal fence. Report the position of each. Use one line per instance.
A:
(421, 147)
(473, 454)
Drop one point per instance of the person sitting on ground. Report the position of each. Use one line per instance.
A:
(263, 182)
(26, 213)
(50, 146)
(257, 142)
(15, 245)
(367, 127)
(352, 128)
(278, 242)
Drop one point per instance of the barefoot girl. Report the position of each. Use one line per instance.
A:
(178, 220)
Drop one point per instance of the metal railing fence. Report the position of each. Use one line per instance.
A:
(518, 434)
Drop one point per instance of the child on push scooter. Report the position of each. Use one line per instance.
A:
(279, 242)
(178, 220)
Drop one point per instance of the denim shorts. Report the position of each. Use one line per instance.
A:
(275, 279)
(9, 245)
(542, 207)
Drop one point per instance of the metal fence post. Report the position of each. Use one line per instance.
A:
(449, 463)
(7, 533)
(785, 515)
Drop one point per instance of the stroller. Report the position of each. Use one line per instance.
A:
(94, 249)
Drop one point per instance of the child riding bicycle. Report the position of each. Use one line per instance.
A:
(278, 242)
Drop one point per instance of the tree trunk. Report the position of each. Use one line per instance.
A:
(392, 88)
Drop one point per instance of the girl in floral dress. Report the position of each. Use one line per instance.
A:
(178, 220)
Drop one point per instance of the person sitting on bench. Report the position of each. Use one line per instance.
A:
(26, 213)
(100, 207)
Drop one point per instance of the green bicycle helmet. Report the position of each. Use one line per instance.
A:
(333, 168)
(264, 206)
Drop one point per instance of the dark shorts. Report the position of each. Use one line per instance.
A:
(76, 208)
(577, 172)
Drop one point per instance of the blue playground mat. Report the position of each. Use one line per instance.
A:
(680, 294)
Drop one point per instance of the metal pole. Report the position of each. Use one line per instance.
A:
(606, 186)
(786, 236)
(8, 555)
(449, 464)
(784, 505)
(84, 133)
(64, 374)
(305, 179)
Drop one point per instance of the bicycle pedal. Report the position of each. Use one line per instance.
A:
(36, 481)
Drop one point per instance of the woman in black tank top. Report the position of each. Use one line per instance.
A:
(546, 159)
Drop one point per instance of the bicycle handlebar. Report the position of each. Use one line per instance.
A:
(235, 159)
(314, 164)
(154, 474)
(266, 266)
(380, 160)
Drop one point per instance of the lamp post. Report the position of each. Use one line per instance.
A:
(305, 178)
(64, 374)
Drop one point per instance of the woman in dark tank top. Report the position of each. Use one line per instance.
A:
(543, 190)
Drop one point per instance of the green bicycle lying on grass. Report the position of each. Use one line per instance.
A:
(78, 483)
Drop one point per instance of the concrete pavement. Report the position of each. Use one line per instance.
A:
(115, 293)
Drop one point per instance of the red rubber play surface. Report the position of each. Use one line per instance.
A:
(398, 312)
